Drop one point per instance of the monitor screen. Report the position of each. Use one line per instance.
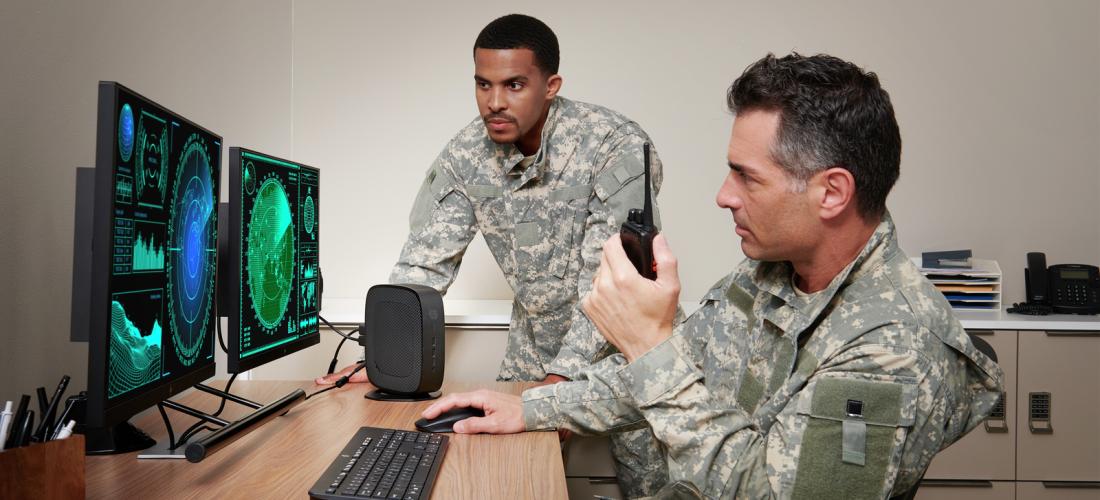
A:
(154, 254)
(273, 241)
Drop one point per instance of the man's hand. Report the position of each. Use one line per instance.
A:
(503, 412)
(633, 313)
(360, 376)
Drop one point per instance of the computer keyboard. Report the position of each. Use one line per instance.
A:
(384, 463)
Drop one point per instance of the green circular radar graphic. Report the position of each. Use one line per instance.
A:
(270, 253)
(309, 215)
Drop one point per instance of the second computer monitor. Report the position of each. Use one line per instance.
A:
(273, 286)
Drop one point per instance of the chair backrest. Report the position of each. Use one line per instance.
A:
(983, 347)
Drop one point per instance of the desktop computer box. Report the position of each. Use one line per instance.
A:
(403, 337)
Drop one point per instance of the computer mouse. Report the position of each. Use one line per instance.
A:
(445, 421)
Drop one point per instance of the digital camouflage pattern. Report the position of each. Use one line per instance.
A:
(545, 219)
(765, 392)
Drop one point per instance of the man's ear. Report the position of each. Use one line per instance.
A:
(836, 189)
(553, 85)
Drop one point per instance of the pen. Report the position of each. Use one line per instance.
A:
(5, 423)
(26, 427)
(69, 404)
(42, 401)
(63, 432)
(43, 430)
(17, 421)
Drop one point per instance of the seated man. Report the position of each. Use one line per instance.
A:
(825, 365)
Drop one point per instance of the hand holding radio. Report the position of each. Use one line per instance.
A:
(633, 313)
(638, 231)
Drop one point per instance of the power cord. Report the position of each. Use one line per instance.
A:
(221, 342)
(340, 382)
(346, 337)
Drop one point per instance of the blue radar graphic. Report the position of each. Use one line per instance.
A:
(126, 132)
(191, 258)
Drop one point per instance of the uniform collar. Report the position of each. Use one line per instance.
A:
(513, 158)
(796, 313)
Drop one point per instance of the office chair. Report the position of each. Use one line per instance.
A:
(983, 347)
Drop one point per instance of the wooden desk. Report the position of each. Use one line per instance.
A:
(283, 458)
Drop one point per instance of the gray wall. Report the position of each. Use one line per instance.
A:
(999, 106)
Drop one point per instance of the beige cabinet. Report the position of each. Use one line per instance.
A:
(1058, 407)
(989, 451)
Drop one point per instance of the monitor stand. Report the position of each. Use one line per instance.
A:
(122, 438)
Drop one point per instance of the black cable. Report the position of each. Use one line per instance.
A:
(346, 337)
(337, 330)
(340, 382)
(335, 356)
(220, 341)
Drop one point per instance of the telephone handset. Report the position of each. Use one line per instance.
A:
(1062, 288)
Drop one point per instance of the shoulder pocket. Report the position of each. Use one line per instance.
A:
(611, 181)
(854, 430)
(437, 185)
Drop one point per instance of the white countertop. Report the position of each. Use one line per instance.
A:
(457, 312)
(497, 313)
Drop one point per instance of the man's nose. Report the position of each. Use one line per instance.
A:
(496, 101)
(728, 196)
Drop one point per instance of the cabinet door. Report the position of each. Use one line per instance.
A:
(474, 353)
(1058, 407)
(966, 490)
(988, 452)
(1057, 491)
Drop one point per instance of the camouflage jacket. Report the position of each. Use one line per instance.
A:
(544, 221)
(764, 392)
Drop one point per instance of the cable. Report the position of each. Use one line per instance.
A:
(337, 330)
(220, 341)
(346, 337)
(335, 356)
(340, 382)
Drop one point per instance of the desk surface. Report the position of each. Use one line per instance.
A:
(283, 458)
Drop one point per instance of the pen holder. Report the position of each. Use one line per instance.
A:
(54, 469)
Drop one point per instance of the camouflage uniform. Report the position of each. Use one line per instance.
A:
(545, 219)
(766, 392)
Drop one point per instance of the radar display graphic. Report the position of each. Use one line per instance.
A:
(278, 255)
(126, 132)
(271, 248)
(192, 256)
(152, 160)
(163, 247)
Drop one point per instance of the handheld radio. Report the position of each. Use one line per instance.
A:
(638, 231)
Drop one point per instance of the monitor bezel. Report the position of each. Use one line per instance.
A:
(235, 225)
(100, 411)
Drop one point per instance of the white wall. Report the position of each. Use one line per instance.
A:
(998, 101)
(225, 65)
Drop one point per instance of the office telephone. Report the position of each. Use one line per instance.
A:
(1062, 288)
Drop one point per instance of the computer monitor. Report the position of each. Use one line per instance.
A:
(271, 285)
(154, 256)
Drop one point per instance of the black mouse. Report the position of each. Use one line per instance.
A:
(445, 421)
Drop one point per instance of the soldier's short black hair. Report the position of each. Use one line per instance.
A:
(517, 31)
(832, 113)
